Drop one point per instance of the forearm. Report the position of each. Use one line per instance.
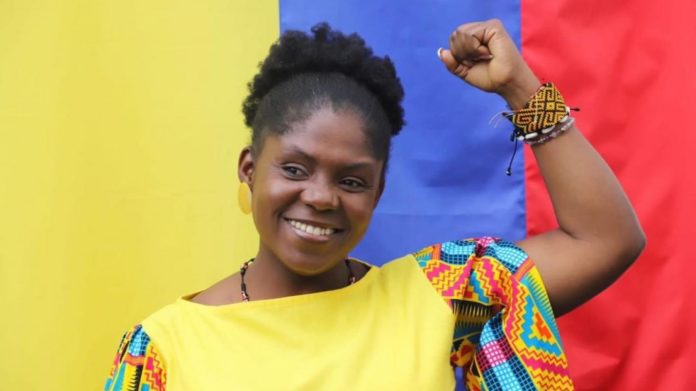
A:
(599, 235)
(588, 200)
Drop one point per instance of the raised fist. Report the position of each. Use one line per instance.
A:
(484, 55)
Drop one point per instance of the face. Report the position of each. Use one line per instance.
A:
(313, 190)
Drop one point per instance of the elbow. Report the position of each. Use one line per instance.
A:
(633, 244)
(641, 241)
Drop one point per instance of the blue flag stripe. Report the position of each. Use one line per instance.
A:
(447, 175)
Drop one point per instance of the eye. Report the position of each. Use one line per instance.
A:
(293, 172)
(353, 184)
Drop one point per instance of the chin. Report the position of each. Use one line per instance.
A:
(310, 265)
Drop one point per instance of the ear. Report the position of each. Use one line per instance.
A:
(245, 166)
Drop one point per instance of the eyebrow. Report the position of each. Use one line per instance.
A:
(297, 150)
(305, 155)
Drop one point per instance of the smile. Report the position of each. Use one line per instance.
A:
(310, 229)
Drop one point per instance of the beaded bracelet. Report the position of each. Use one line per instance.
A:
(554, 132)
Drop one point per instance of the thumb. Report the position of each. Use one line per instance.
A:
(458, 68)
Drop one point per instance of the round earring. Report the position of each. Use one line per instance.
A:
(244, 198)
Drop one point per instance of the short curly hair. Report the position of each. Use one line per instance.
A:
(304, 73)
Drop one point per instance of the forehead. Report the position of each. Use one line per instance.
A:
(328, 135)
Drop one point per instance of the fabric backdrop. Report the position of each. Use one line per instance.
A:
(628, 67)
(120, 126)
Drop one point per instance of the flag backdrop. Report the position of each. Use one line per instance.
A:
(120, 126)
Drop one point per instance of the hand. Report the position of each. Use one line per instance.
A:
(484, 55)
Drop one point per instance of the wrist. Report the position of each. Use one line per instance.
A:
(518, 92)
(542, 118)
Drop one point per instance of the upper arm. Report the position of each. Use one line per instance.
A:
(575, 269)
(503, 316)
(138, 365)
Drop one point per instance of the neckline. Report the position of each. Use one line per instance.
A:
(358, 285)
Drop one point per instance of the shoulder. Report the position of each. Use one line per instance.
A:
(137, 362)
(459, 253)
(225, 291)
(473, 269)
(135, 341)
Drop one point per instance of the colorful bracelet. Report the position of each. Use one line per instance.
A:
(540, 116)
(555, 132)
(543, 118)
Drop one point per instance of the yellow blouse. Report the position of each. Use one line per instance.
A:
(481, 305)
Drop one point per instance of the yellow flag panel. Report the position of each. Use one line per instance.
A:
(120, 128)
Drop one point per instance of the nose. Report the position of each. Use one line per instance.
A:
(320, 196)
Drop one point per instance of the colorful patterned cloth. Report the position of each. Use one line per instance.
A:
(137, 366)
(505, 335)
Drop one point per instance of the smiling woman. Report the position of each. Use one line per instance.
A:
(322, 110)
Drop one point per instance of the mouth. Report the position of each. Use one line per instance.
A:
(312, 231)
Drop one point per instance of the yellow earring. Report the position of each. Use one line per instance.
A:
(244, 198)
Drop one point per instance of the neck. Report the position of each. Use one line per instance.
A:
(269, 278)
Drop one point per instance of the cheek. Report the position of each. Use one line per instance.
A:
(273, 196)
(269, 202)
(360, 212)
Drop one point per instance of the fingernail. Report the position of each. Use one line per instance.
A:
(439, 53)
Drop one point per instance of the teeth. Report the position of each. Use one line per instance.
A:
(310, 229)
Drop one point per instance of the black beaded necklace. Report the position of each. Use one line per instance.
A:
(245, 266)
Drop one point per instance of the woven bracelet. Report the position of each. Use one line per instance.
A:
(543, 118)
(539, 117)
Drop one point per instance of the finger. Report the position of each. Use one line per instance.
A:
(485, 33)
(467, 47)
(484, 53)
(463, 46)
(454, 66)
(453, 42)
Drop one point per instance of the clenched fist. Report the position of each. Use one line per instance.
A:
(484, 55)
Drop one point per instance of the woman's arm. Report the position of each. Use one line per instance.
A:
(599, 235)
(138, 364)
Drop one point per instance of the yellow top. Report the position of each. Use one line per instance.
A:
(481, 306)
(388, 331)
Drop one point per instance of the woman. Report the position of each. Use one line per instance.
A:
(303, 315)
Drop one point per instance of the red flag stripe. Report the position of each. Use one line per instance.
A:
(629, 67)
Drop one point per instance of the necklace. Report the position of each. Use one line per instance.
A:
(245, 266)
